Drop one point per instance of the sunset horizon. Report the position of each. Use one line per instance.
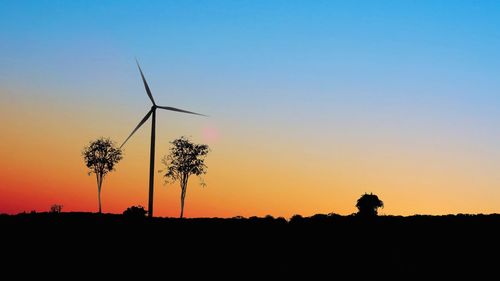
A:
(310, 105)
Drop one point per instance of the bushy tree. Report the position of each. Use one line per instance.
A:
(100, 157)
(368, 204)
(185, 159)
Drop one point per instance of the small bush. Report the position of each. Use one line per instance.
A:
(135, 212)
(55, 209)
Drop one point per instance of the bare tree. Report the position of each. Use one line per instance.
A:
(185, 159)
(100, 157)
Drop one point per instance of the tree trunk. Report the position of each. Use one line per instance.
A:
(183, 195)
(182, 201)
(99, 184)
(99, 195)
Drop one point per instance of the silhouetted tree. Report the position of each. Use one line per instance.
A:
(269, 218)
(281, 220)
(185, 159)
(135, 212)
(296, 218)
(56, 208)
(100, 157)
(368, 204)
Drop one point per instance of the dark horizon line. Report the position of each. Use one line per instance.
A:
(257, 217)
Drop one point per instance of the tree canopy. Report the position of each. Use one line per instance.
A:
(101, 156)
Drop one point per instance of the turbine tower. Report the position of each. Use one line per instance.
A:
(152, 111)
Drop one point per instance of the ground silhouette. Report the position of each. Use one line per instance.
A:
(343, 247)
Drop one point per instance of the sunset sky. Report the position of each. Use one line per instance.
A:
(311, 104)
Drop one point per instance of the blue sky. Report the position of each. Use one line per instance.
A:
(284, 47)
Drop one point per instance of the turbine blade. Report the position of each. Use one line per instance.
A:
(180, 110)
(138, 126)
(145, 83)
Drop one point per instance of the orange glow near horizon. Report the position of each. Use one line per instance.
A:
(266, 175)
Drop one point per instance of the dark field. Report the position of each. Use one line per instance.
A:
(320, 247)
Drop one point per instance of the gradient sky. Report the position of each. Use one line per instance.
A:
(311, 103)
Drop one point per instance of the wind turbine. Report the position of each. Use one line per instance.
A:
(152, 111)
